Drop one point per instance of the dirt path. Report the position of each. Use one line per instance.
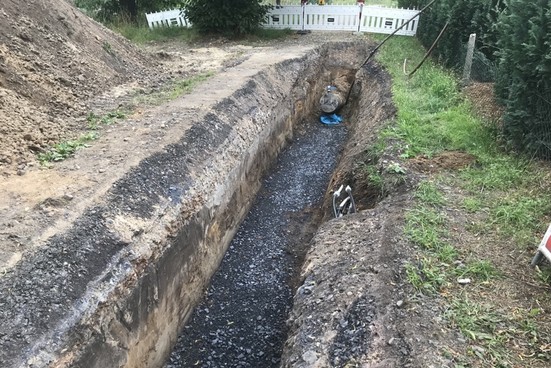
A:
(42, 202)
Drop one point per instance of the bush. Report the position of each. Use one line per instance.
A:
(234, 18)
(524, 75)
(465, 17)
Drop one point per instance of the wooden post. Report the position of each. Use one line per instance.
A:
(469, 60)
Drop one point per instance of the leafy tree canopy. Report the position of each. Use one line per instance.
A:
(230, 17)
(108, 10)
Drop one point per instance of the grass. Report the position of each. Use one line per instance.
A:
(426, 227)
(487, 329)
(505, 202)
(65, 149)
(95, 121)
(428, 193)
(173, 90)
(141, 33)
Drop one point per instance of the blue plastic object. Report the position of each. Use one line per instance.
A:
(332, 119)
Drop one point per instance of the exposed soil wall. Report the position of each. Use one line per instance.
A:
(352, 307)
(116, 287)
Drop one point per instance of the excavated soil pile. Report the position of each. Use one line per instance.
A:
(53, 59)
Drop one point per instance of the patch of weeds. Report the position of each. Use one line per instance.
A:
(544, 273)
(480, 270)
(511, 196)
(425, 227)
(496, 172)
(487, 330)
(429, 194)
(375, 178)
(395, 168)
(141, 33)
(368, 168)
(268, 34)
(446, 253)
(519, 216)
(94, 121)
(63, 150)
(185, 86)
(106, 46)
(173, 90)
(472, 204)
(425, 276)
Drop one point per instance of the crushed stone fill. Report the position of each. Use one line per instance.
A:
(241, 320)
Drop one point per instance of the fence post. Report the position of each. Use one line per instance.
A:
(469, 60)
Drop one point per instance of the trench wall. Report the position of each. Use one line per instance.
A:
(334, 306)
(151, 247)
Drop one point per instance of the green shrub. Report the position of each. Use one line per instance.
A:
(465, 17)
(524, 78)
(234, 18)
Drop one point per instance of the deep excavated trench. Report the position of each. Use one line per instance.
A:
(134, 266)
(241, 320)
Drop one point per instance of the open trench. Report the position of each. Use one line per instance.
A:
(241, 320)
(134, 268)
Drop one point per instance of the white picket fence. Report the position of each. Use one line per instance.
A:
(167, 18)
(360, 18)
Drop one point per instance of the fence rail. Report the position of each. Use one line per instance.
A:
(167, 18)
(372, 19)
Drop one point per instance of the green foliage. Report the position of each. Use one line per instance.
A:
(465, 17)
(107, 11)
(483, 326)
(425, 276)
(94, 121)
(63, 150)
(235, 18)
(524, 82)
(428, 194)
(482, 270)
(172, 90)
(425, 227)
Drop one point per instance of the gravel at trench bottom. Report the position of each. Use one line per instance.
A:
(241, 321)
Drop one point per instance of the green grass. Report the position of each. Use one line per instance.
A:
(434, 117)
(426, 276)
(486, 328)
(472, 204)
(425, 227)
(141, 34)
(428, 194)
(185, 86)
(65, 149)
(95, 121)
(480, 270)
(505, 198)
(172, 91)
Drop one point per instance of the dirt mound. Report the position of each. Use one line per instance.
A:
(481, 95)
(448, 160)
(53, 59)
